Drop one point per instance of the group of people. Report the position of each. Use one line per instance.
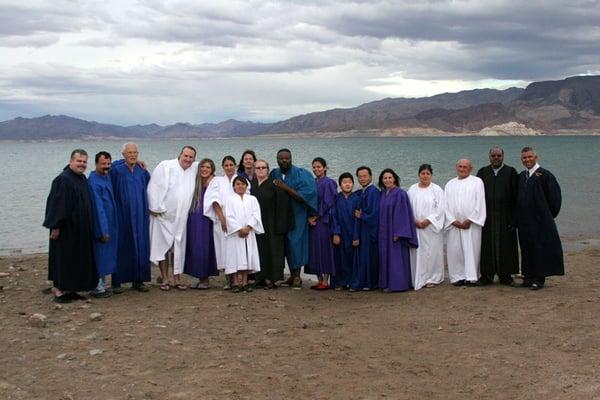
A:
(252, 220)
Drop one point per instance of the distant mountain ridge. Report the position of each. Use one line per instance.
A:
(548, 107)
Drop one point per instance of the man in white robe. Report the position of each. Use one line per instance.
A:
(465, 217)
(170, 194)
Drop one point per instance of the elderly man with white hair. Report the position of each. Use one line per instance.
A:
(465, 216)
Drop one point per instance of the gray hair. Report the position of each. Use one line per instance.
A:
(127, 144)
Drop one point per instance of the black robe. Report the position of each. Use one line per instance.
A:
(499, 249)
(70, 257)
(277, 219)
(538, 203)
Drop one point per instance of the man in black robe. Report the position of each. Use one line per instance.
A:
(69, 216)
(538, 203)
(499, 251)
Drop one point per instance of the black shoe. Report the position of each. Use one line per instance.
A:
(536, 286)
(74, 296)
(100, 295)
(62, 299)
(507, 282)
(526, 282)
(472, 284)
(484, 281)
(459, 283)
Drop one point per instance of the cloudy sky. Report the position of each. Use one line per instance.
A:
(128, 62)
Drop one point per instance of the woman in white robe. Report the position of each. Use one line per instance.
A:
(242, 215)
(427, 201)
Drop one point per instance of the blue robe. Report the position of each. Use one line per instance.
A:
(302, 182)
(396, 220)
(133, 263)
(105, 223)
(346, 225)
(538, 203)
(321, 259)
(365, 272)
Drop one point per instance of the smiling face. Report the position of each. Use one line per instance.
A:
(206, 170)
(364, 178)
(529, 158)
(496, 158)
(284, 160)
(239, 187)
(78, 163)
(130, 154)
(103, 165)
(261, 170)
(248, 161)
(318, 169)
(186, 158)
(388, 180)
(228, 167)
(463, 168)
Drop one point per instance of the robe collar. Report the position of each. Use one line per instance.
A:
(496, 170)
(533, 169)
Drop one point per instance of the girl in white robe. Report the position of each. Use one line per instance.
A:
(242, 215)
(427, 201)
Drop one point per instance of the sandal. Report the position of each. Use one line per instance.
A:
(247, 288)
(165, 287)
(180, 286)
(236, 289)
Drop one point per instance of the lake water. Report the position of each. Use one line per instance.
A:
(28, 170)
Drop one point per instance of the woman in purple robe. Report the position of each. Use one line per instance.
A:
(246, 166)
(200, 258)
(321, 261)
(397, 234)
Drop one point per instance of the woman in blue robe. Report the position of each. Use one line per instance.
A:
(397, 234)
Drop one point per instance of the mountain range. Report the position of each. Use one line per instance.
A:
(568, 106)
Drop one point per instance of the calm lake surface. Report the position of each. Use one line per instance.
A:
(30, 167)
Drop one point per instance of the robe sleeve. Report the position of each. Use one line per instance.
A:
(513, 187)
(212, 195)
(403, 225)
(234, 213)
(100, 220)
(477, 216)
(328, 200)
(56, 204)
(307, 189)
(356, 221)
(448, 214)
(369, 211)
(284, 215)
(158, 187)
(255, 218)
(335, 222)
(436, 217)
(552, 193)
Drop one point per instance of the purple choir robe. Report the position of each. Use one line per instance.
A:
(321, 259)
(200, 256)
(345, 224)
(395, 220)
(365, 272)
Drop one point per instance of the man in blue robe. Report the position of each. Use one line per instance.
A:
(538, 203)
(365, 273)
(105, 222)
(129, 181)
(300, 185)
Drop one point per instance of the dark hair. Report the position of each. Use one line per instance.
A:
(241, 164)
(391, 171)
(345, 175)
(320, 160)
(187, 147)
(364, 167)
(241, 179)
(284, 149)
(426, 167)
(526, 149)
(104, 154)
(78, 151)
(230, 158)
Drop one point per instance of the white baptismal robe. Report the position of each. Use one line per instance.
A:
(217, 191)
(242, 253)
(170, 193)
(465, 199)
(427, 261)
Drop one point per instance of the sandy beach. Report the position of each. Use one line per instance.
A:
(444, 343)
